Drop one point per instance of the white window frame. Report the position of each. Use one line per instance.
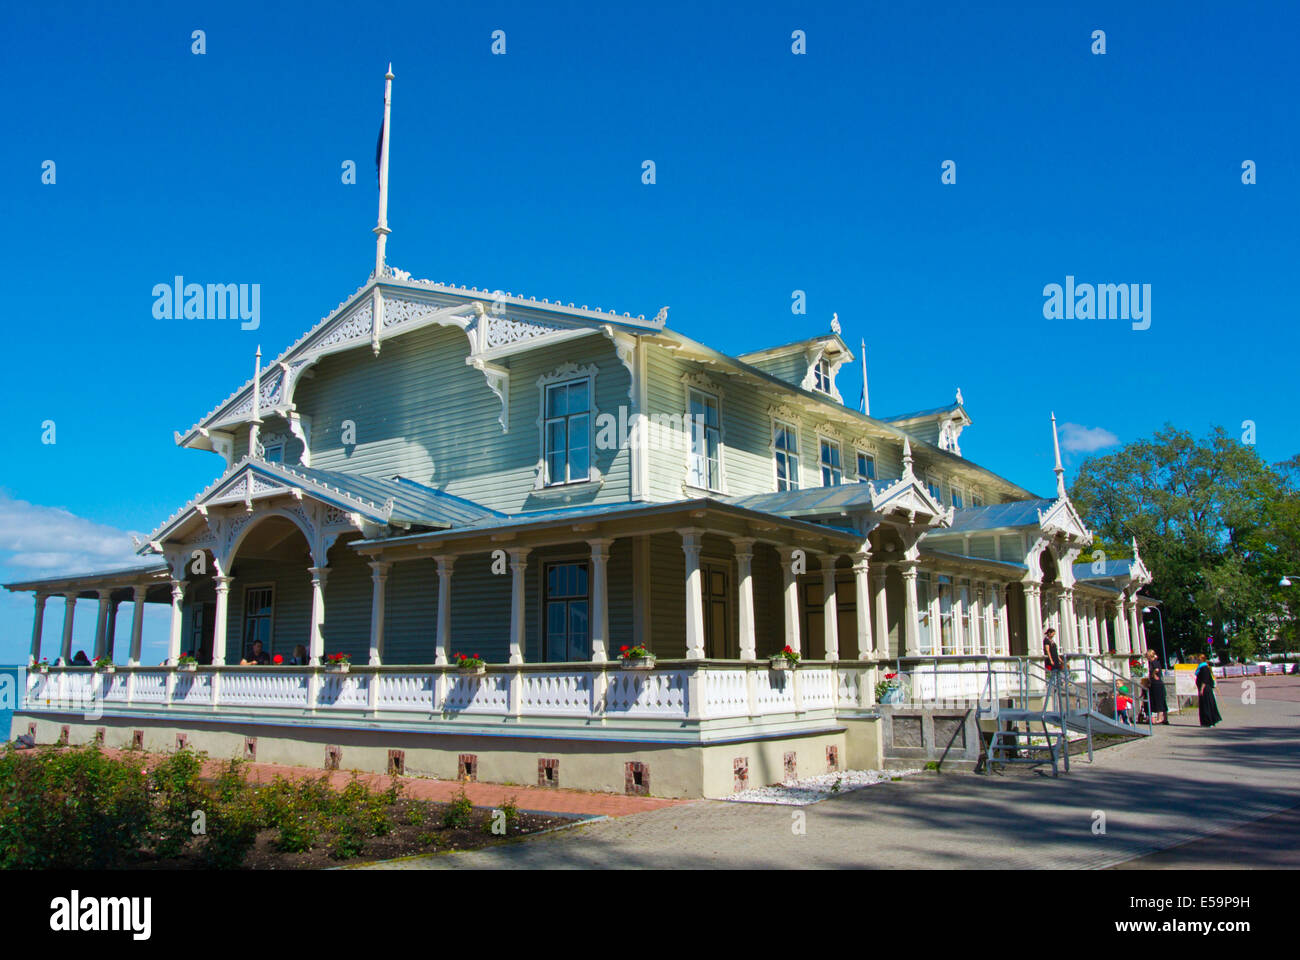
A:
(707, 389)
(243, 616)
(563, 376)
(795, 479)
(955, 493)
(821, 372)
(976, 498)
(934, 487)
(858, 454)
(822, 466)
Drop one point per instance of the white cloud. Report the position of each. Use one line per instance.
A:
(1080, 439)
(36, 540)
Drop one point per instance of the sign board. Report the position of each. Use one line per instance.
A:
(1185, 679)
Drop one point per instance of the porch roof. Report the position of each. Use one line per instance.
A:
(561, 516)
(808, 499)
(412, 502)
(90, 579)
(1018, 513)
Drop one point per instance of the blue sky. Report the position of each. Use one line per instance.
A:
(775, 172)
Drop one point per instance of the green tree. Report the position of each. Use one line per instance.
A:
(1217, 527)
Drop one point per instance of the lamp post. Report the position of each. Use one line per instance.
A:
(1286, 579)
(1164, 654)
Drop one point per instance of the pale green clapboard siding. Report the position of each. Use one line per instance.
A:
(667, 596)
(983, 547)
(791, 367)
(746, 436)
(348, 603)
(421, 412)
(411, 612)
(480, 609)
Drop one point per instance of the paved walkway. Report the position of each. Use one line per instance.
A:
(1182, 784)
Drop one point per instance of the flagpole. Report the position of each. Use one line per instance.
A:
(866, 406)
(381, 230)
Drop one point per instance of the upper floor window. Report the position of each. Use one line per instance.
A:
(822, 376)
(957, 500)
(568, 431)
(936, 491)
(866, 467)
(975, 499)
(705, 463)
(273, 453)
(785, 446)
(832, 471)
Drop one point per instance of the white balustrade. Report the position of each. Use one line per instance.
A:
(345, 691)
(726, 693)
(406, 692)
(636, 693)
(468, 693)
(557, 694)
(264, 687)
(774, 692)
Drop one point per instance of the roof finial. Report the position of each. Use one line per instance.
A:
(1058, 469)
(835, 324)
(960, 401)
(381, 229)
(257, 402)
(907, 458)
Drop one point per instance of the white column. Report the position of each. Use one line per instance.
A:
(110, 628)
(1094, 624)
(1069, 627)
(1121, 628)
(1033, 619)
(316, 651)
(518, 565)
(600, 599)
(137, 626)
(790, 597)
(879, 578)
(744, 547)
(1142, 629)
(1134, 626)
(378, 580)
(101, 623)
(69, 609)
(830, 608)
(38, 625)
(445, 564)
(974, 639)
(220, 617)
(691, 543)
(1004, 627)
(174, 636)
(862, 598)
(912, 613)
(991, 639)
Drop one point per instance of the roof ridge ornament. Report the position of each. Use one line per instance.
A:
(381, 228)
(1058, 469)
(907, 459)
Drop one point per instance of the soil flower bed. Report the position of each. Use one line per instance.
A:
(139, 812)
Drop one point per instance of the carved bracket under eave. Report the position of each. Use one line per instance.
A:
(498, 381)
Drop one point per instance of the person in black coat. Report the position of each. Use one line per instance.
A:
(1156, 689)
(1206, 704)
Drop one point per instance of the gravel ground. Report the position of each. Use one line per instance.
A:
(800, 793)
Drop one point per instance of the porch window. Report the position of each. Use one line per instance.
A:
(866, 467)
(568, 622)
(568, 431)
(785, 446)
(947, 636)
(259, 606)
(705, 465)
(832, 470)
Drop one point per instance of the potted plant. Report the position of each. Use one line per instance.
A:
(786, 659)
(337, 662)
(889, 690)
(186, 663)
(474, 665)
(1137, 668)
(103, 664)
(636, 658)
(43, 666)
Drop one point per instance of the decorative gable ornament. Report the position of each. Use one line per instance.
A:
(1061, 519)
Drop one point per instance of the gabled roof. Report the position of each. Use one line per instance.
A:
(831, 340)
(927, 414)
(997, 516)
(390, 502)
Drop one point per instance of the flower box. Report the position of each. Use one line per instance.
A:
(637, 663)
(43, 667)
(892, 695)
(477, 671)
(337, 667)
(187, 667)
(780, 663)
(107, 668)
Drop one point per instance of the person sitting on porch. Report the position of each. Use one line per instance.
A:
(81, 660)
(258, 656)
(299, 658)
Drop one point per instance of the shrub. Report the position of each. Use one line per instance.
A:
(232, 827)
(177, 794)
(70, 809)
(458, 812)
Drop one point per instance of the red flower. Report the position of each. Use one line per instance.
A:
(277, 659)
(622, 649)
